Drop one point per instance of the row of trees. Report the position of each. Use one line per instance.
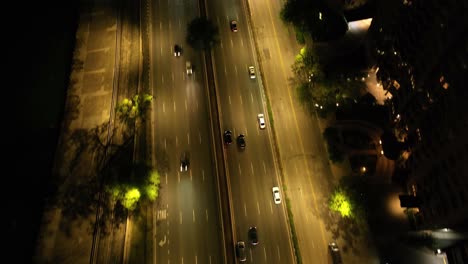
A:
(316, 18)
(130, 183)
(320, 86)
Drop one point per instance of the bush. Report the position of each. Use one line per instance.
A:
(334, 153)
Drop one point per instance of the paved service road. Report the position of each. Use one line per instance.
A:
(303, 156)
(251, 172)
(188, 228)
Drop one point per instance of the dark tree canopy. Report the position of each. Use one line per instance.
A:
(202, 34)
(316, 18)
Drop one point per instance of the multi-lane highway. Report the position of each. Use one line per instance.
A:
(188, 229)
(251, 172)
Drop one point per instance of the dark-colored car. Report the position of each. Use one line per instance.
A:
(233, 25)
(253, 236)
(241, 141)
(240, 251)
(227, 137)
(335, 253)
(177, 50)
(184, 162)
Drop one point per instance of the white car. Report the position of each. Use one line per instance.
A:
(252, 72)
(276, 195)
(188, 66)
(261, 121)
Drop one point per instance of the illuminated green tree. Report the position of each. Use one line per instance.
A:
(350, 198)
(152, 186)
(130, 109)
(131, 198)
(341, 203)
(142, 185)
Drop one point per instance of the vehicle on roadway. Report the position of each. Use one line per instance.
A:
(276, 195)
(253, 235)
(233, 24)
(335, 253)
(240, 251)
(227, 137)
(177, 50)
(261, 121)
(241, 141)
(184, 162)
(188, 67)
(252, 72)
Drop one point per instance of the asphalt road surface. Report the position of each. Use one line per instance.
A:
(188, 228)
(303, 156)
(252, 171)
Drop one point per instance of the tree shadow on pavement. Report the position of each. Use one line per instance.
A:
(89, 158)
(162, 159)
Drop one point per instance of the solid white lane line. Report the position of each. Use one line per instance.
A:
(271, 208)
(164, 107)
(264, 253)
(240, 171)
(174, 107)
(251, 97)
(264, 167)
(188, 138)
(251, 167)
(245, 210)
(190, 174)
(258, 208)
(242, 43)
(166, 177)
(180, 217)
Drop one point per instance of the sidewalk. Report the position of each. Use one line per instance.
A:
(66, 231)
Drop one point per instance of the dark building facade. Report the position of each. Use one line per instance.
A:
(421, 50)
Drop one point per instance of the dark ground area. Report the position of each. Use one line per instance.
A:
(40, 40)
